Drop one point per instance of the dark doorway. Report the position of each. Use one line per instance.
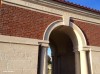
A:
(63, 58)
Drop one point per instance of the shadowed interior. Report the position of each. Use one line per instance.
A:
(63, 58)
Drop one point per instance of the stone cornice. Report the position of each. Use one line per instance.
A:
(57, 6)
(68, 8)
(91, 22)
(21, 40)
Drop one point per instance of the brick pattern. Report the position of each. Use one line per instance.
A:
(91, 32)
(15, 21)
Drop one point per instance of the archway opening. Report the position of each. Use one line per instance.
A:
(63, 57)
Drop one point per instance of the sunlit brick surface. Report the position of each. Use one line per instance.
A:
(21, 22)
(91, 32)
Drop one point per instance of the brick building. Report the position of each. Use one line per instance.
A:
(29, 27)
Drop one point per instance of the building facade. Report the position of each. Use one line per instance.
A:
(29, 27)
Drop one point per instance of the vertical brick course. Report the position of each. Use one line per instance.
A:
(91, 32)
(15, 21)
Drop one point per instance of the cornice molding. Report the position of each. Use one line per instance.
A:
(58, 6)
(22, 40)
(68, 8)
(86, 21)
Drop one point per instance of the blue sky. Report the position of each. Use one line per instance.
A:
(95, 4)
(49, 51)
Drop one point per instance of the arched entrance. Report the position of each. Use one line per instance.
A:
(66, 42)
(63, 57)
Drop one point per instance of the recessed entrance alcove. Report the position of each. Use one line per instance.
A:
(66, 43)
(63, 58)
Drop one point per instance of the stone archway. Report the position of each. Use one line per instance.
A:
(63, 57)
(74, 40)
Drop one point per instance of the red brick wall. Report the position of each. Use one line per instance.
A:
(91, 32)
(15, 21)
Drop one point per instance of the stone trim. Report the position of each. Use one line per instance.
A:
(53, 8)
(54, 5)
(44, 43)
(95, 48)
(89, 48)
(21, 40)
(50, 27)
(34, 7)
(80, 36)
(90, 22)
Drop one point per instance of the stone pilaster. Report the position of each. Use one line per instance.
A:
(44, 58)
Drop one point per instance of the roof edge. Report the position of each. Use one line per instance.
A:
(57, 5)
(78, 6)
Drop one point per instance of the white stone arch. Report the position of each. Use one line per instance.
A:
(79, 41)
(51, 27)
(80, 36)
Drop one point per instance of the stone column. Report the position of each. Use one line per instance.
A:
(83, 62)
(77, 62)
(44, 58)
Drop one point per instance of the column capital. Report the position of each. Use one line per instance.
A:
(44, 43)
(76, 50)
(85, 48)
